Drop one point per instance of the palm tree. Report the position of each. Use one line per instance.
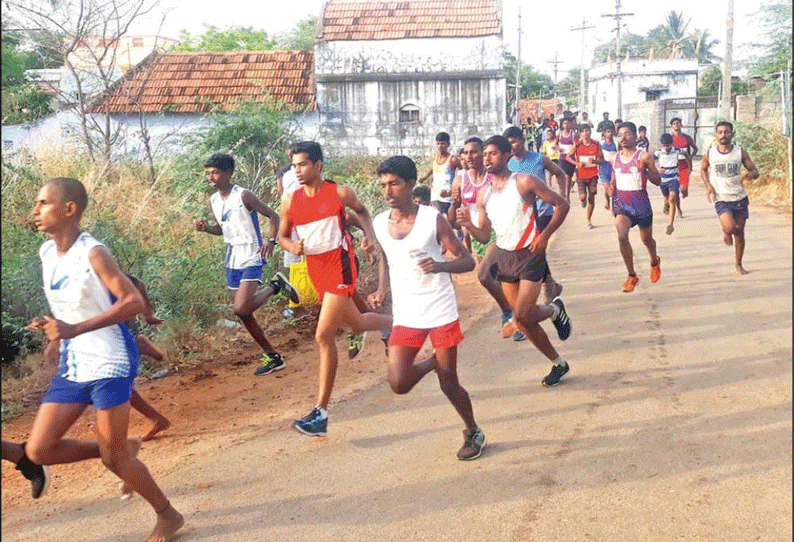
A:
(704, 46)
(670, 39)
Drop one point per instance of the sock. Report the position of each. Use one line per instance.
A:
(323, 412)
(560, 361)
(556, 310)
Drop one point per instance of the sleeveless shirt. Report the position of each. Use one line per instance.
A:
(725, 173)
(513, 221)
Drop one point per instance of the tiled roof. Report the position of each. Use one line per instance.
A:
(197, 82)
(344, 20)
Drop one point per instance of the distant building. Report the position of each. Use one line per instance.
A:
(643, 80)
(390, 75)
(124, 53)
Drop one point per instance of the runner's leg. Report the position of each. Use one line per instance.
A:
(623, 225)
(447, 371)
(246, 301)
(403, 374)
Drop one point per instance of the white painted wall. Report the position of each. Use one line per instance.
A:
(679, 77)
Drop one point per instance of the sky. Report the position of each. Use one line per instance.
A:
(544, 31)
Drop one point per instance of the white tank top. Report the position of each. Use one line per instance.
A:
(240, 226)
(419, 300)
(442, 180)
(725, 174)
(513, 221)
(75, 293)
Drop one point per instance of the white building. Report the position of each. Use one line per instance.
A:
(643, 81)
(390, 75)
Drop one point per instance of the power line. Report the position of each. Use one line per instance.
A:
(583, 28)
(555, 62)
(617, 16)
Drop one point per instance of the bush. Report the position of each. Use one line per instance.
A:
(768, 148)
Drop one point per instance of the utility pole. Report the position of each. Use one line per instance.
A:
(617, 16)
(518, 74)
(583, 28)
(555, 62)
(727, 67)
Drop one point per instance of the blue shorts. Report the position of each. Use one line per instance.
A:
(235, 276)
(670, 186)
(604, 180)
(103, 393)
(641, 221)
(739, 209)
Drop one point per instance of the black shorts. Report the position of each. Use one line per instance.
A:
(567, 167)
(442, 206)
(738, 209)
(517, 265)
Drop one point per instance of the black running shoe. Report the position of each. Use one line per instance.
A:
(39, 475)
(280, 284)
(313, 424)
(473, 443)
(270, 362)
(557, 372)
(561, 322)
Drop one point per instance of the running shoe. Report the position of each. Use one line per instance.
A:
(270, 362)
(590, 225)
(518, 336)
(279, 283)
(508, 329)
(656, 270)
(583, 204)
(312, 424)
(473, 443)
(630, 283)
(355, 343)
(561, 321)
(556, 374)
(39, 475)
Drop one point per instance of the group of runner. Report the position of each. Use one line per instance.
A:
(496, 194)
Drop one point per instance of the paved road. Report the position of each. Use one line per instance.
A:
(674, 423)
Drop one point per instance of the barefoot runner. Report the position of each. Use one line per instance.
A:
(90, 299)
(669, 159)
(721, 171)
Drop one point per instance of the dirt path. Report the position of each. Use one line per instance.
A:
(674, 423)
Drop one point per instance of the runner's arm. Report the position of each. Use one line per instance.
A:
(690, 142)
(704, 174)
(650, 168)
(752, 171)
(481, 231)
(463, 262)
(456, 198)
(128, 300)
(253, 203)
(201, 225)
(349, 199)
(425, 177)
(530, 187)
(556, 171)
(285, 229)
(376, 298)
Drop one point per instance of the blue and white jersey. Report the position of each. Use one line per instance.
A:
(240, 227)
(532, 164)
(668, 162)
(75, 293)
(605, 169)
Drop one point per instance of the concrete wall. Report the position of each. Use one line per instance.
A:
(457, 85)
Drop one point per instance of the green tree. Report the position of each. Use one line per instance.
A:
(670, 39)
(633, 45)
(231, 38)
(774, 29)
(22, 101)
(710, 80)
(533, 83)
(302, 36)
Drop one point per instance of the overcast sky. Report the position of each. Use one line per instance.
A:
(544, 29)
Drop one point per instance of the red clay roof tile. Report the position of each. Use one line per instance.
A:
(195, 82)
(346, 21)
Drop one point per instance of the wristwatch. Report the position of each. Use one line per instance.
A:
(271, 240)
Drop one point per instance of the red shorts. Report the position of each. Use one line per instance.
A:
(683, 176)
(445, 336)
(333, 272)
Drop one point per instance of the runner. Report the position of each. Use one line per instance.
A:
(90, 298)
(567, 143)
(631, 171)
(608, 149)
(553, 126)
(668, 158)
(443, 172)
(235, 210)
(468, 184)
(721, 171)
(586, 157)
(687, 144)
(532, 163)
(605, 124)
(421, 195)
(424, 301)
(38, 475)
(508, 207)
(586, 120)
(642, 139)
(317, 213)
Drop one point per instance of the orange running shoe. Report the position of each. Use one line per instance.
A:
(656, 270)
(508, 328)
(631, 282)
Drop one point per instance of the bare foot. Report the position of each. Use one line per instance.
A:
(606, 206)
(741, 270)
(133, 447)
(680, 214)
(670, 229)
(169, 521)
(728, 238)
(161, 424)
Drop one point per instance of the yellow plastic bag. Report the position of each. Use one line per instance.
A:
(299, 277)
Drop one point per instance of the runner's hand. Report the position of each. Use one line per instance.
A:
(57, 329)
(456, 194)
(710, 195)
(152, 320)
(428, 265)
(538, 244)
(463, 217)
(266, 250)
(446, 193)
(376, 299)
(36, 324)
(297, 247)
(368, 246)
(201, 225)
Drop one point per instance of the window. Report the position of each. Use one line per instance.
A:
(409, 113)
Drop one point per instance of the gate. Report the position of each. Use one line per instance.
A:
(698, 116)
